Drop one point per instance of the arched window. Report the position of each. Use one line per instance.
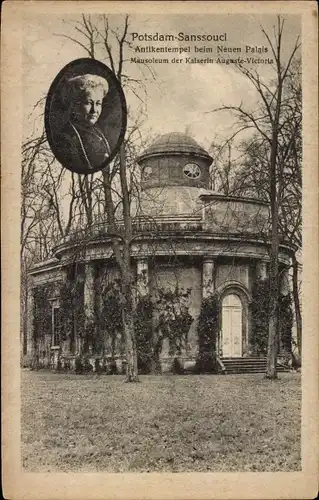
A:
(231, 335)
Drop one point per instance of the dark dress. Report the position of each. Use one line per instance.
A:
(81, 148)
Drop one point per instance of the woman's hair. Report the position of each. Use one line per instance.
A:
(78, 85)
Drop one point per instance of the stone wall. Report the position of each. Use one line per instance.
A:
(170, 201)
(230, 215)
(168, 171)
(232, 271)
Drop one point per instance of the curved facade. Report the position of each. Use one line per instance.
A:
(186, 237)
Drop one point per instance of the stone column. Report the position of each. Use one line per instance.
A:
(51, 347)
(66, 344)
(284, 281)
(142, 276)
(30, 324)
(261, 269)
(208, 279)
(89, 289)
(89, 296)
(53, 304)
(63, 274)
(284, 290)
(208, 285)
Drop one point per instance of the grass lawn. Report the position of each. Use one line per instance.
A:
(165, 423)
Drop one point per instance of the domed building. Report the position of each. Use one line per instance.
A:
(187, 240)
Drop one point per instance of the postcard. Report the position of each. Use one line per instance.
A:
(160, 257)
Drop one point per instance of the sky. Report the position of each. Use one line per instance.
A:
(179, 96)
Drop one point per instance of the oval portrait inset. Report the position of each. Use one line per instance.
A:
(85, 116)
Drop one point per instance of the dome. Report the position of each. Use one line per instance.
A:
(175, 143)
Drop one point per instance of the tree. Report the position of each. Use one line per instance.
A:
(252, 179)
(270, 125)
(222, 174)
(105, 197)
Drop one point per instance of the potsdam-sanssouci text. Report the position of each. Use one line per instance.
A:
(179, 37)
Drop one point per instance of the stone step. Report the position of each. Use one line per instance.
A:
(249, 369)
(244, 359)
(248, 365)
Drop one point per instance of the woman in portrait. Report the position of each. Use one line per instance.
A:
(81, 143)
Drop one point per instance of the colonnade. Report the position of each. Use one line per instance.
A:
(142, 268)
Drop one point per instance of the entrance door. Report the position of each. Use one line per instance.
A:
(232, 326)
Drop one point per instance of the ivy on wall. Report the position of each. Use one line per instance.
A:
(110, 319)
(66, 310)
(93, 331)
(207, 331)
(72, 313)
(260, 318)
(42, 324)
(285, 322)
(164, 317)
(174, 320)
(143, 327)
(42, 318)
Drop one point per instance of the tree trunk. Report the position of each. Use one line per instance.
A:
(34, 354)
(271, 371)
(113, 344)
(129, 334)
(272, 350)
(127, 289)
(275, 178)
(295, 292)
(131, 354)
